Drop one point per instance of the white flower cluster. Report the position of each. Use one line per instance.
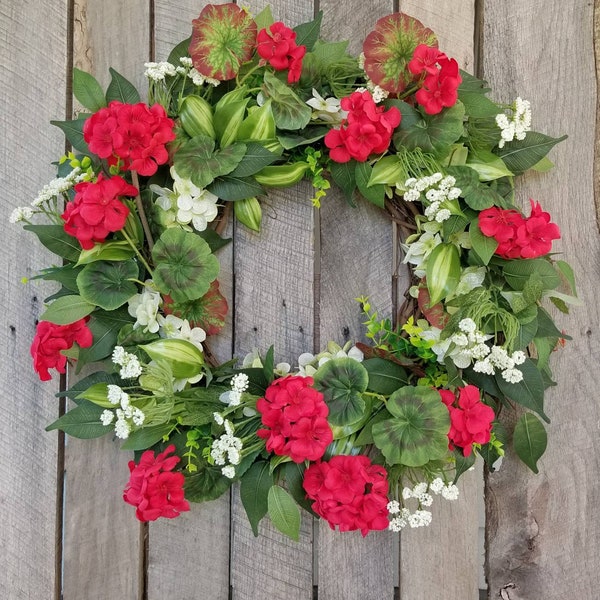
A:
(309, 363)
(239, 384)
(127, 415)
(144, 307)
(158, 71)
(402, 516)
(438, 190)
(129, 363)
(226, 449)
(518, 126)
(50, 191)
(498, 359)
(378, 93)
(326, 109)
(187, 203)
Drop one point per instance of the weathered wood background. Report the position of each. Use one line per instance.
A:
(294, 286)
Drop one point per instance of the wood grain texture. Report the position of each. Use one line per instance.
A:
(102, 537)
(32, 52)
(543, 536)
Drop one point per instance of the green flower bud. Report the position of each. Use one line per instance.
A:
(248, 212)
(197, 117)
(281, 175)
(185, 359)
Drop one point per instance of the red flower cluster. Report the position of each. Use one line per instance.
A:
(154, 489)
(278, 47)
(517, 236)
(134, 134)
(296, 416)
(50, 339)
(350, 492)
(470, 421)
(366, 130)
(96, 210)
(440, 78)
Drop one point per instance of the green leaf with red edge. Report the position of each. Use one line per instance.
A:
(207, 312)
(389, 48)
(223, 38)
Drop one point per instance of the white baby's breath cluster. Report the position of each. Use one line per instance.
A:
(129, 363)
(516, 127)
(378, 93)
(239, 384)
(438, 190)
(498, 359)
(157, 71)
(186, 204)
(127, 415)
(402, 516)
(227, 448)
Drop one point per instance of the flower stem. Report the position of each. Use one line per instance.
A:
(138, 253)
(142, 213)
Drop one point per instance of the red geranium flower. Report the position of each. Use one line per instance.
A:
(349, 493)
(535, 235)
(154, 489)
(278, 47)
(96, 210)
(50, 339)
(425, 59)
(296, 416)
(133, 134)
(440, 89)
(470, 421)
(367, 129)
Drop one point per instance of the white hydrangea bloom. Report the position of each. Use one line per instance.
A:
(138, 417)
(240, 382)
(114, 393)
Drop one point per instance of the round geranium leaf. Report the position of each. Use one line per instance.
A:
(223, 38)
(185, 266)
(108, 284)
(389, 48)
(342, 382)
(418, 429)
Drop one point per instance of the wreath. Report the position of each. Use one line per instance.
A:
(363, 436)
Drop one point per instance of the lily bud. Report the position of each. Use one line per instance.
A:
(281, 175)
(185, 359)
(248, 212)
(197, 117)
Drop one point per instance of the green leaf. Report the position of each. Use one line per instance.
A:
(342, 382)
(268, 365)
(83, 384)
(112, 250)
(141, 439)
(179, 51)
(432, 133)
(477, 195)
(454, 225)
(488, 165)
(482, 245)
(67, 309)
(307, 34)
(213, 239)
(264, 18)
(235, 188)
(206, 484)
(520, 155)
(529, 392)
(546, 326)
(56, 240)
(73, 131)
(88, 91)
(256, 157)
(108, 284)
(385, 377)
(120, 89)
(310, 135)
(185, 266)
(375, 193)
(526, 334)
(462, 463)
(518, 273)
(344, 176)
(200, 412)
(289, 110)
(530, 440)
(294, 478)
(82, 422)
(388, 170)
(66, 276)
(417, 431)
(443, 271)
(105, 328)
(228, 119)
(184, 358)
(254, 490)
(567, 272)
(197, 160)
(284, 512)
(472, 93)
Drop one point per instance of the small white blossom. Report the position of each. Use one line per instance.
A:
(240, 382)
(106, 418)
(467, 325)
(484, 366)
(512, 375)
(425, 499)
(420, 518)
(518, 357)
(420, 488)
(158, 71)
(122, 427)
(436, 485)
(228, 471)
(21, 213)
(407, 493)
(393, 507)
(114, 393)
(450, 492)
(186, 61)
(138, 417)
(325, 109)
(518, 126)
(218, 418)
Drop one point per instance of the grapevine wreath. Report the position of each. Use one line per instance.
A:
(366, 436)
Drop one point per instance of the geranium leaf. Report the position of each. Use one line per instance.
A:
(472, 93)
(462, 463)
(389, 48)
(254, 491)
(87, 90)
(344, 175)
(342, 382)
(121, 89)
(67, 309)
(108, 284)
(284, 512)
(223, 38)
(431, 133)
(197, 160)
(185, 266)
(530, 440)
(66, 276)
(82, 422)
(417, 431)
(289, 111)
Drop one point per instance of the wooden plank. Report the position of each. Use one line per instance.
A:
(207, 526)
(28, 478)
(543, 535)
(103, 546)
